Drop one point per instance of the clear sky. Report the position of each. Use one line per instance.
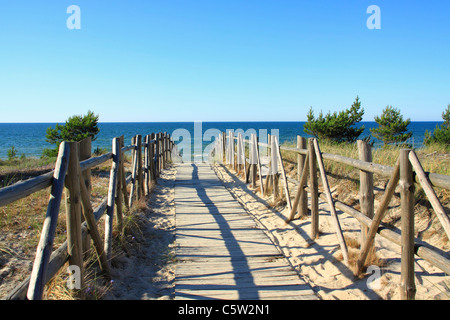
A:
(221, 60)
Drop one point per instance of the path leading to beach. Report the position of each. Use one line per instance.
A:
(220, 252)
(148, 270)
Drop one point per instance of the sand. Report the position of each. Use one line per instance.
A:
(147, 270)
(319, 262)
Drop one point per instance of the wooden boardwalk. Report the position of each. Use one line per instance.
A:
(220, 251)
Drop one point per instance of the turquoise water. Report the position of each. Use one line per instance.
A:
(29, 138)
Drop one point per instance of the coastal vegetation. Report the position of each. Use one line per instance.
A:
(24, 217)
(440, 135)
(336, 126)
(392, 129)
(76, 128)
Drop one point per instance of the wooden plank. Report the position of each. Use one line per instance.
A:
(220, 251)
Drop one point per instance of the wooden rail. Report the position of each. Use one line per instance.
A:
(73, 174)
(407, 171)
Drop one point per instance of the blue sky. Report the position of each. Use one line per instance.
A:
(212, 60)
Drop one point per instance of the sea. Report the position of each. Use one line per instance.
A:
(29, 138)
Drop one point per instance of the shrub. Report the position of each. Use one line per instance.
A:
(76, 128)
(440, 135)
(12, 153)
(336, 127)
(391, 127)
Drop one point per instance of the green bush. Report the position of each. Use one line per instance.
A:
(336, 127)
(76, 128)
(12, 153)
(440, 135)
(392, 129)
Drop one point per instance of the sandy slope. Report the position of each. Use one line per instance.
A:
(146, 271)
(319, 262)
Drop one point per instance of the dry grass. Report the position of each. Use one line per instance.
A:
(20, 228)
(345, 180)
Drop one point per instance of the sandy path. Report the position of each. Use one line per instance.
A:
(146, 271)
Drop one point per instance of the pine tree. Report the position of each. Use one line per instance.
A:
(76, 128)
(391, 127)
(337, 127)
(440, 135)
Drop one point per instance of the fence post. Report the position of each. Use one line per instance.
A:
(253, 155)
(274, 166)
(85, 151)
(123, 177)
(169, 148)
(366, 196)
(313, 185)
(140, 177)
(133, 172)
(156, 155)
(147, 164)
(224, 144)
(302, 209)
(408, 289)
(111, 197)
(73, 213)
(231, 146)
(152, 158)
(44, 249)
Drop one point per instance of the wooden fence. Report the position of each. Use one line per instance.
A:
(72, 173)
(406, 172)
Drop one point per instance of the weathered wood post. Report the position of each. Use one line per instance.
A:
(224, 145)
(431, 194)
(313, 185)
(91, 225)
(147, 164)
(408, 288)
(231, 146)
(44, 249)
(258, 162)
(302, 209)
(85, 152)
(133, 171)
(330, 201)
(254, 159)
(111, 197)
(366, 196)
(283, 173)
(239, 154)
(156, 155)
(169, 147)
(368, 244)
(118, 194)
(152, 158)
(73, 215)
(274, 166)
(140, 176)
(123, 178)
(161, 152)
